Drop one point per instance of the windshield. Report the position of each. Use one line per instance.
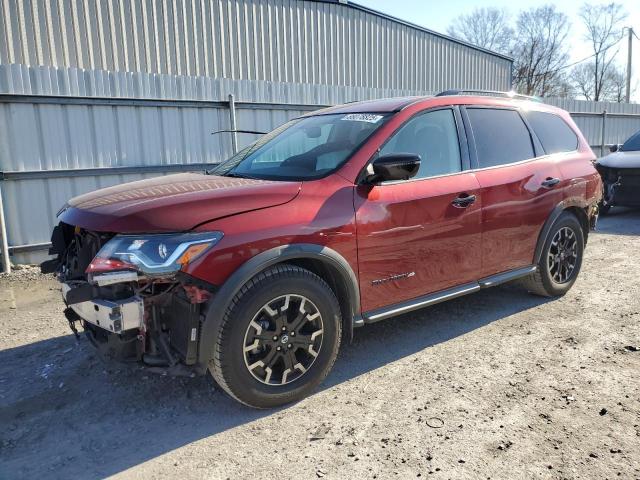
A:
(632, 144)
(303, 149)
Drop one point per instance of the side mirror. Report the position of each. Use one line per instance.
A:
(614, 148)
(394, 166)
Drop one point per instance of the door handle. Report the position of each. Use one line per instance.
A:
(550, 182)
(463, 201)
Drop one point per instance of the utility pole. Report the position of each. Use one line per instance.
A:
(629, 49)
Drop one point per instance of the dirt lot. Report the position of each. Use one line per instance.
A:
(499, 384)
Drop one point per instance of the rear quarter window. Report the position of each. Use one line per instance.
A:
(501, 136)
(553, 132)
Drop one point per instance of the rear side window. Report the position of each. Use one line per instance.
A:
(433, 136)
(501, 136)
(553, 132)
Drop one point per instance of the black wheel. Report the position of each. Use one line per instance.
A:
(279, 338)
(561, 258)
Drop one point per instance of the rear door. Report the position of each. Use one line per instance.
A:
(414, 236)
(519, 185)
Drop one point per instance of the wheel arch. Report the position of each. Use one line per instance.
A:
(578, 209)
(323, 261)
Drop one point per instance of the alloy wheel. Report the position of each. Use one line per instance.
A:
(563, 255)
(283, 340)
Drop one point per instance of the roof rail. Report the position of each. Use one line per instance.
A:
(494, 93)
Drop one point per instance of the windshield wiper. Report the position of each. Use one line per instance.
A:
(239, 175)
(251, 132)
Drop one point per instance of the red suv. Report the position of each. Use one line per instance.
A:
(258, 269)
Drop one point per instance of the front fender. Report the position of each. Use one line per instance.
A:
(220, 302)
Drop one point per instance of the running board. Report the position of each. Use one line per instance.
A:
(443, 295)
(420, 302)
(504, 277)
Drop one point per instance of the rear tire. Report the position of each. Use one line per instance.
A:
(561, 259)
(292, 319)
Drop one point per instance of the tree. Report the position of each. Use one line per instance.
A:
(613, 85)
(485, 27)
(582, 80)
(616, 85)
(603, 24)
(540, 52)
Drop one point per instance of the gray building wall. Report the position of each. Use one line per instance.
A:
(291, 41)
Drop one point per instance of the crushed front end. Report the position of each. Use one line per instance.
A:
(621, 185)
(130, 295)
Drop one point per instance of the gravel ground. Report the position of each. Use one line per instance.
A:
(499, 384)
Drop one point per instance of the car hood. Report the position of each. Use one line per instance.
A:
(173, 203)
(621, 160)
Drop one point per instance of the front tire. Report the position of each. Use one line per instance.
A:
(561, 258)
(279, 338)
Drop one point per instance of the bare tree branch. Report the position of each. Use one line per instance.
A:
(485, 27)
(603, 25)
(540, 51)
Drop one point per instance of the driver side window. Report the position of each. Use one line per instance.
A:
(433, 136)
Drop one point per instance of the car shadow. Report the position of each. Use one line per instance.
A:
(620, 221)
(64, 412)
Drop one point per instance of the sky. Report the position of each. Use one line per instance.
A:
(437, 15)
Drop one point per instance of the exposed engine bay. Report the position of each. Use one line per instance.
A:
(130, 314)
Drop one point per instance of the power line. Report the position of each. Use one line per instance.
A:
(564, 67)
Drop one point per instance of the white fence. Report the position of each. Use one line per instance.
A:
(66, 132)
(602, 123)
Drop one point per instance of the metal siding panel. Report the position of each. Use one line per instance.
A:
(7, 161)
(6, 34)
(276, 40)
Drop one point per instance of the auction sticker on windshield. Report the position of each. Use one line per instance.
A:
(362, 117)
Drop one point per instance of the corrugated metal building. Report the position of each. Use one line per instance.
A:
(102, 92)
(292, 41)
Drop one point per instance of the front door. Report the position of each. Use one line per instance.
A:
(421, 235)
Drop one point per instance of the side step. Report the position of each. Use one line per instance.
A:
(507, 276)
(443, 295)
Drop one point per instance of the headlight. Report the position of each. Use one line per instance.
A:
(152, 255)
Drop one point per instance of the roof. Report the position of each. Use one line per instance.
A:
(388, 105)
(386, 16)
(382, 105)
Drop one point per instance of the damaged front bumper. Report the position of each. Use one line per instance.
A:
(159, 327)
(127, 314)
(115, 316)
(621, 186)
